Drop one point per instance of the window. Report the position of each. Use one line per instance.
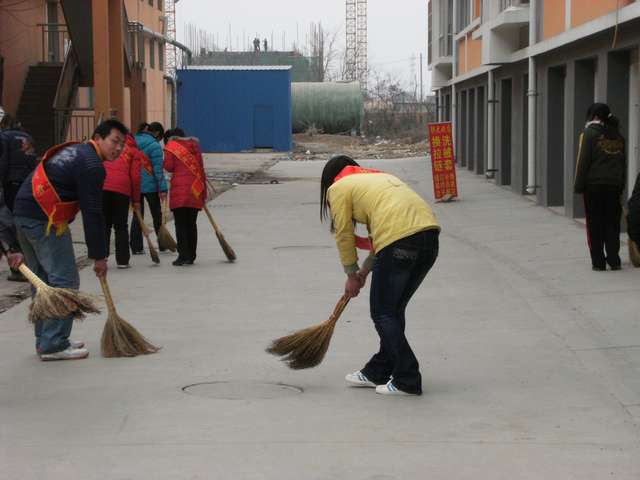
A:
(161, 55)
(445, 40)
(464, 14)
(160, 5)
(151, 2)
(152, 53)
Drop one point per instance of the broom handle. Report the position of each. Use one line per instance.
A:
(342, 304)
(212, 221)
(165, 213)
(143, 226)
(34, 280)
(107, 295)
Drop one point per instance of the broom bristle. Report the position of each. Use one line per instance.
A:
(165, 240)
(226, 248)
(121, 339)
(53, 302)
(634, 253)
(305, 348)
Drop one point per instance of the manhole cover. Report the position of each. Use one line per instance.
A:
(241, 390)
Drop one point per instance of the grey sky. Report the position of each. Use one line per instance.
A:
(395, 34)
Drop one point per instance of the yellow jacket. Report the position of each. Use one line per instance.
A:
(386, 205)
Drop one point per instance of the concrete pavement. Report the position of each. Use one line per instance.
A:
(530, 360)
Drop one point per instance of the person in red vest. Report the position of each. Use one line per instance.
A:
(68, 180)
(188, 191)
(121, 187)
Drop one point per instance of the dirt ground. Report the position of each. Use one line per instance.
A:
(320, 146)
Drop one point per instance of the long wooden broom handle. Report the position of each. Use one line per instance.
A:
(34, 280)
(143, 226)
(211, 220)
(107, 295)
(165, 211)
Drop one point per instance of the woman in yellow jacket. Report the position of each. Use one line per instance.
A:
(403, 233)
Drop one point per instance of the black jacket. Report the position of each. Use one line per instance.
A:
(601, 161)
(17, 155)
(76, 173)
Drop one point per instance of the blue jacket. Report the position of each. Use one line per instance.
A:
(152, 149)
(76, 173)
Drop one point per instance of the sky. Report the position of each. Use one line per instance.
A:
(395, 34)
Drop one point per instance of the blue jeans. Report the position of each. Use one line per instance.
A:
(51, 258)
(398, 271)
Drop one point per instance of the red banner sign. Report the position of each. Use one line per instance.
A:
(443, 163)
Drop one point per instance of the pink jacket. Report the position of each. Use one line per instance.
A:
(123, 174)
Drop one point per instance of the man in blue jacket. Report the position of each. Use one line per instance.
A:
(153, 185)
(67, 181)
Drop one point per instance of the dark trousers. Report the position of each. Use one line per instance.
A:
(115, 207)
(186, 232)
(398, 271)
(153, 199)
(633, 225)
(603, 210)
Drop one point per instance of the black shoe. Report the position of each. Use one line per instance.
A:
(179, 262)
(599, 269)
(616, 267)
(137, 252)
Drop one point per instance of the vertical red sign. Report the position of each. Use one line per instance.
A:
(443, 163)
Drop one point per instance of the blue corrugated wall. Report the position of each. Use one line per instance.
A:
(236, 110)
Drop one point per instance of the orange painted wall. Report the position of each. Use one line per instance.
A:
(462, 56)
(554, 17)
(583, 11)
(474, 53)
(21, 46)
(477, 8)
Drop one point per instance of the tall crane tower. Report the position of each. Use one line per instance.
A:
(171, 50)
(356, 61)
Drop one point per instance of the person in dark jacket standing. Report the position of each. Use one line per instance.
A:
(153, 185)
(67, 181)
(17, 161)
(121, 188)
(188, 191)
(600, 178)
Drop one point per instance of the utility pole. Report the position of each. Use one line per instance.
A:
(421, 85)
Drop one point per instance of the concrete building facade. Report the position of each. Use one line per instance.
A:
(517, 76)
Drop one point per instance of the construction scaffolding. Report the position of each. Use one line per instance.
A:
(356, 61)
(171, 50)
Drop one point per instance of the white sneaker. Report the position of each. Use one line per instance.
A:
(357, 379)
(68, 354)
(390, 389)
(124, 267)
(75, 344)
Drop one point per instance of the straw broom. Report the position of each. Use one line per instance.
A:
(306, 348)
(52, 302)
(145, 231)
(165, 240)
(119, 337)
(226, 248)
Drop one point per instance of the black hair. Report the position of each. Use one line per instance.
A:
(173, 132)
(104, 129)
(143, 127)
(331, 170)
(156, 129)
(602, 112)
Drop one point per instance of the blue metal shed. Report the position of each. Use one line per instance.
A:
(235, 108)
